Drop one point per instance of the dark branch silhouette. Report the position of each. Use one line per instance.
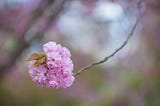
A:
(58, 7)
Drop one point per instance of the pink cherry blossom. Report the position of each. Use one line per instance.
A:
(57, 70)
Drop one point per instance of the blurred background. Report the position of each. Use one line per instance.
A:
(91, 29)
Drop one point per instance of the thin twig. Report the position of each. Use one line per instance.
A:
(118, 49)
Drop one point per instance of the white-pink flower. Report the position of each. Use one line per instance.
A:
(56, 72)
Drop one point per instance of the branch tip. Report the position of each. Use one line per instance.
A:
(139, 3)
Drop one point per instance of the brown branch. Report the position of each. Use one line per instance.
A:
(38, 34)
(118, 49)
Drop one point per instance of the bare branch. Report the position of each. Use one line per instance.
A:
(38, 34)
(118, 49)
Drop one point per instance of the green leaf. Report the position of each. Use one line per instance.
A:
(36, 64)
(43, 54)
(40, 61)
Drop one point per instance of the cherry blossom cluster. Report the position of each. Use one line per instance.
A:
(55, 70)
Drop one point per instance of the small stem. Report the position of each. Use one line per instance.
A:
(118, 49)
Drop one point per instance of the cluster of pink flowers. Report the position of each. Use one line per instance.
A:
(57, 70)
